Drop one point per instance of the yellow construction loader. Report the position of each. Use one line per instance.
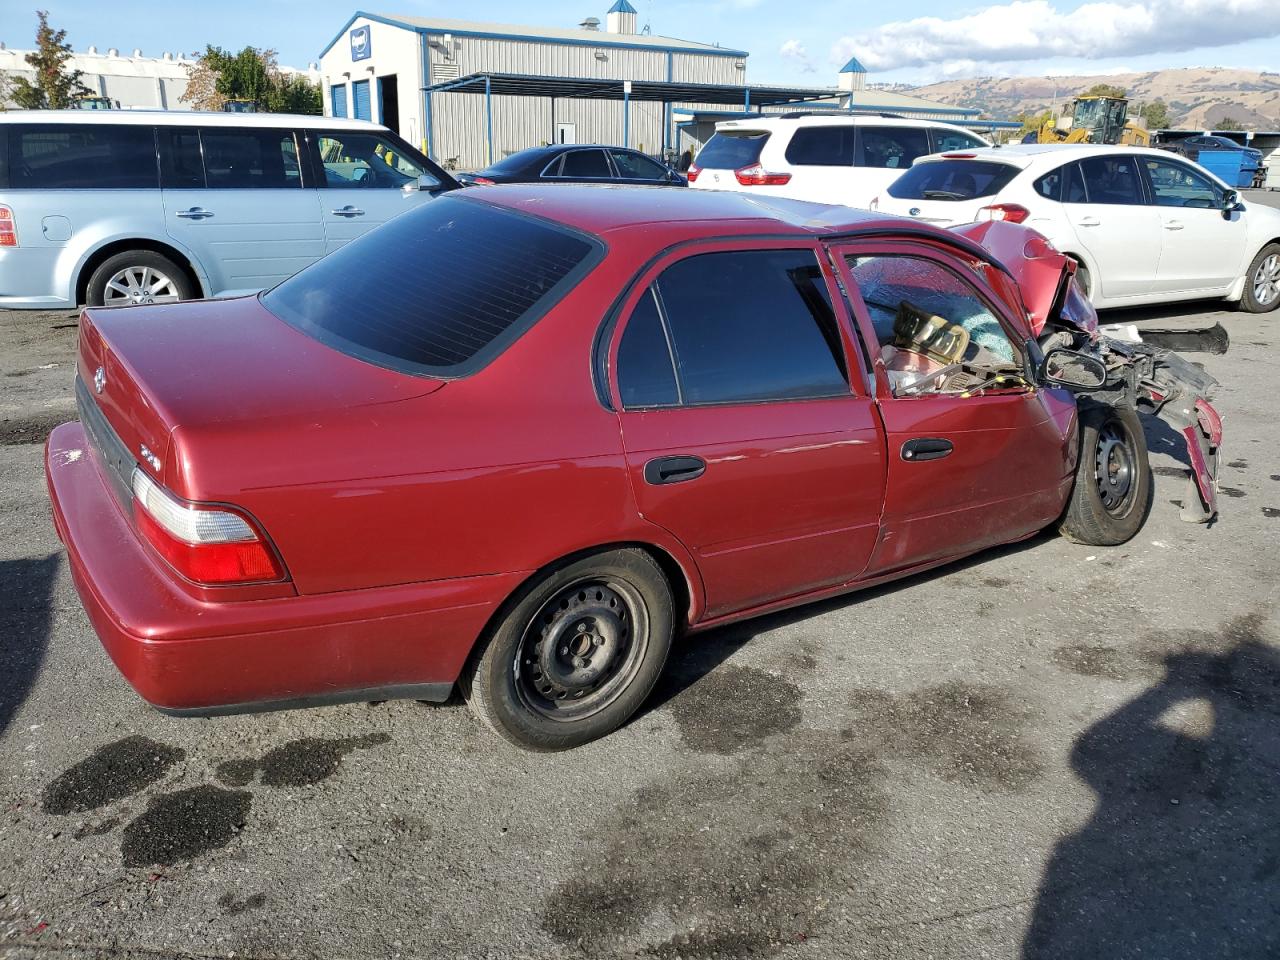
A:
(1096, 120)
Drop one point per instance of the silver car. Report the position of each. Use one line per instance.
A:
(123, 207)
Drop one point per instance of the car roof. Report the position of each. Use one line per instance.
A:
(185, 118)
(773, 123)
(1028, 154)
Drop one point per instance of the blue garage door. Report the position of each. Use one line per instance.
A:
(338, 95)
(360, 100)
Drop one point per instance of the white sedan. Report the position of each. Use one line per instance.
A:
(1145, 225)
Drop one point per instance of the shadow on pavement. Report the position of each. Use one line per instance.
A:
(25, 620)
(1182, 855)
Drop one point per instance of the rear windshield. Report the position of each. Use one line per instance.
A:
(514, 163)
(440, 290)
(952, 180)
(732, 151)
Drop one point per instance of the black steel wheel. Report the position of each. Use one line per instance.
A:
(1112, 493)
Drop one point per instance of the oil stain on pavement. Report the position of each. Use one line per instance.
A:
(184, 824)
(734, 707)
(300, 763)
(112, 773)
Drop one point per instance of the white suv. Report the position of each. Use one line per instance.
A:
(843, 159)
(1147, 226)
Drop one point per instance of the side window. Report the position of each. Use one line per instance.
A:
(945, 141)
(250, 159)
(646, 371)
(1176, 185)
(552, 169)
(821, 146)
(636, 166)
(585, 163)
(752, 325)
(1111, 180)
(1049, 186)
(95, 156)
(366, 160)
(893, 147)
(936, 334)
(181, 162)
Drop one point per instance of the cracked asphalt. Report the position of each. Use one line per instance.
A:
(1048, 751)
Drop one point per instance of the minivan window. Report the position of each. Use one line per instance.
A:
(365, 160)
(953, 180)
(440, 289)
(944, 141)
(893, 147)
(250, 159)
(67, 156)
(646, 371)
(732, 151)
(752, 325)
(821, 146)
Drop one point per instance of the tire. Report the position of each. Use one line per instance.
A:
(575, 653)
(1262, 282)
(1112, 494)
(137, 276)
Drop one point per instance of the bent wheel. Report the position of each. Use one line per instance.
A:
(1111, 497)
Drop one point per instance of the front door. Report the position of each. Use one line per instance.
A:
(239, 200)
(1105, 202)
(1202, 248)
(364, 180)
(743, 435)
(976, 454)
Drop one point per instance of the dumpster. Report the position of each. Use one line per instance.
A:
(1228, 166)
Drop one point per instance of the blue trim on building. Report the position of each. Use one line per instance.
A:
(425, 96)
(604, 40)
(853, 66)
(622, 7)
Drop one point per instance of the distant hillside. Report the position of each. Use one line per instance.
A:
(1197, 97)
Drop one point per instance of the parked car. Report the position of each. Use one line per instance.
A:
(574, 163)
(845, 159)
(520, 437)
(127, 207)
(1190, 147)
(1145, 226)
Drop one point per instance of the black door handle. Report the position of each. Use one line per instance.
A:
(926, 448)
(674, 469)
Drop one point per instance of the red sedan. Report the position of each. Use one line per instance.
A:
(517, 439)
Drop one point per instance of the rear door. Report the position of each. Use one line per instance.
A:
(239, 199)
(744, 437)
(1106, 204)
(588, 165)
(727, 150)
(969, 468)
(365, 179)
(1202, 250)
(883, 155)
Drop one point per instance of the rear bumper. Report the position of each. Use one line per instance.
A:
(185, 655)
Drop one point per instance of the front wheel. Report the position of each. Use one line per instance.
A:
(576, 653)
(1112, 494)
(1262, 283)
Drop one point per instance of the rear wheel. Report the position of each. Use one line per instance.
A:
(1112, 493)
(135, 277)
(1262, 283)
(575, 655)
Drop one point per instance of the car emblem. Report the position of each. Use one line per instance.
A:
(914, 211)
(99, 380)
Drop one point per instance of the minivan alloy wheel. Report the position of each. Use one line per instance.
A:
(1266, 280)
(139, 284)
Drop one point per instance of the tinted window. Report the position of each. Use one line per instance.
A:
(441, 288)
(75, 156)
(894, 147)
(1176, 185)
(636, 166)
(1049, 186)
(732, 151)
(250, 159)
(646, 377)
(585, 163)
(753, 325)
(1111, 180)
(516, 162)
(952, 180)
(181, 164)
(947, 140)
(821, 147)
(367, 161)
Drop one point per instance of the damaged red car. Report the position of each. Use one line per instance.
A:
(515, 440)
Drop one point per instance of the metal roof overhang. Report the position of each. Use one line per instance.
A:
(584, 88)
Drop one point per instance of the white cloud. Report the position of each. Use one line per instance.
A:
(1034, 29)
(795, 50)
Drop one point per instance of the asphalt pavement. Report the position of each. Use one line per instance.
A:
(1048, 751)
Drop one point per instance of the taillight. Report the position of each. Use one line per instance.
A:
(483, 181)
(692, 172)
(8, 229)
(1011, 212)
(206, 545)
(959, 156)
(757, 176)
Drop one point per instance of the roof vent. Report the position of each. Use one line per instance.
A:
(112, 52)
(137, 52)
(90, 50)
(168, 55)
(591, 23)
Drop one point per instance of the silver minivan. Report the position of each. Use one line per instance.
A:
(123, 207)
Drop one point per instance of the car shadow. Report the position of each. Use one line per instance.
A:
(1182, 856)
(25, 621)
(695, 656)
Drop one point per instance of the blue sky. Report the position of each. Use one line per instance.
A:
(789, 42)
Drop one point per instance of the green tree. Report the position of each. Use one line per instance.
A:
(1105, 90)
(294, 94)
(219, 75)
(1229, 123)
(1156, 114)
(54, 87)
(1033, 121)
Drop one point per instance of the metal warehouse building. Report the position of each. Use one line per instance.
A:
(472, 93)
